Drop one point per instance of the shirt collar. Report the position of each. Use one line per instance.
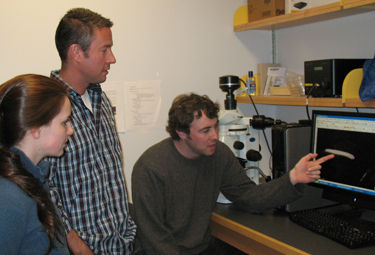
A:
(56, 74)
(39, 171)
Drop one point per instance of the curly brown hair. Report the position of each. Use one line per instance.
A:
(187, 107)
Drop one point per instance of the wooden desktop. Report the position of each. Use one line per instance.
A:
(271, 232)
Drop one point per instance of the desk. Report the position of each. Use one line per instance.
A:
(272, 233)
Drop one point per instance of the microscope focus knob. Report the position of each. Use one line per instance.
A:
(238, 145)
(253, 155)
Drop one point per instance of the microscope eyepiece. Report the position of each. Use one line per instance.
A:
(229, 83)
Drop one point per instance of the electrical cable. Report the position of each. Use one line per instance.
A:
(252, 101)
(256, 110)
(307, 101)
(267, 143)
(266, 177)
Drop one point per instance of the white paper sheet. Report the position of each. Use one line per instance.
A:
(275, 77)
(142, 106)
(115, 92)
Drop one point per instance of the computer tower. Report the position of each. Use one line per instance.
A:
(290, 142)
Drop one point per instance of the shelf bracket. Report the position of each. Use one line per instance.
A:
(273, 35)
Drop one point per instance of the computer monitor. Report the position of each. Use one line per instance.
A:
(349, 178)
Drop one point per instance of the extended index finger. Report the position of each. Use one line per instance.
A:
(324, 159)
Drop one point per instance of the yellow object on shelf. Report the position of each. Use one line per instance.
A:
(285, 91)
(351, 84)
(241, 16)
(256, 84)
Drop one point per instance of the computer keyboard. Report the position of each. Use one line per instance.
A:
(334, 228)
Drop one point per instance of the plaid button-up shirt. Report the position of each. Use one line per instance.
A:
(87, 183)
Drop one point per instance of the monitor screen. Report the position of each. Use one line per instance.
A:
(350, 177)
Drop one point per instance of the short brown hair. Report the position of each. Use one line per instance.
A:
(187, 107)
(78, 27)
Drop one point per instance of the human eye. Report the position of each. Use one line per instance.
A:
(68, 120)
(106, 49)
(206, 130)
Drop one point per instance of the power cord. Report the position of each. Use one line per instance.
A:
(266, 177)
(256, 110)
(307, 99)
(252, 101)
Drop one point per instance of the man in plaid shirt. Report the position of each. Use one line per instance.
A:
(88, 183)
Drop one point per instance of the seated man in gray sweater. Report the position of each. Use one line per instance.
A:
(176, 182)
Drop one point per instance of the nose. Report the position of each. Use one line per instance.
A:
(70, 129)
(215, 133)
(111, 59)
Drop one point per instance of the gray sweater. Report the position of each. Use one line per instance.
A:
(174, 196)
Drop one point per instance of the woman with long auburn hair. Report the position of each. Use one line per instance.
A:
(34, 123)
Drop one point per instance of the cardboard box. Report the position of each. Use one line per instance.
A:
(262, 9)
(296, 5)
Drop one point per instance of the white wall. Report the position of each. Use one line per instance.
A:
(187, 44)
(348, 37)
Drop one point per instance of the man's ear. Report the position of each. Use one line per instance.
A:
(76, 52)
(181, 134)
(35, 132)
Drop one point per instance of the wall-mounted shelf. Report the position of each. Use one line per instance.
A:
(301, 101)
(356, 102)
(320, 13)
(339, 9)
(292, 101)
(350, 96)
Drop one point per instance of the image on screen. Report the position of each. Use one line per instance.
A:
(351, 137)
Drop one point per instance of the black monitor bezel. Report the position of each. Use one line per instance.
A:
(339, 195)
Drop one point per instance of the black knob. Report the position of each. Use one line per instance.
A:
(253, 155)
(238, 145)
(326, 85)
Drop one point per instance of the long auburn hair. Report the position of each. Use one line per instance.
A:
(29, 101)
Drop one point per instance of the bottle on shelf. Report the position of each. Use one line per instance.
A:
(250, 84)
